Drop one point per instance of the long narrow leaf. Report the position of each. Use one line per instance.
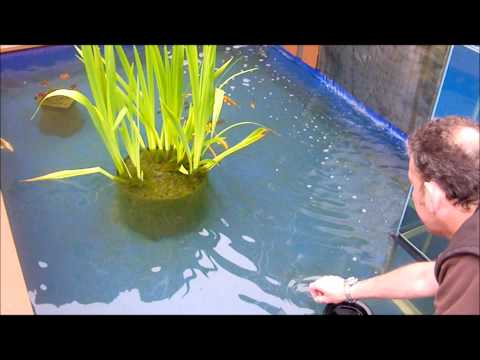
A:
(120, 117)
(235, 75)
(63, 174)
(217, 108)
(222, 68)
(254, 136)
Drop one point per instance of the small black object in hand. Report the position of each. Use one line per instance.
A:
(346, 308)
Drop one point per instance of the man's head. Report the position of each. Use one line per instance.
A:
(444, 170)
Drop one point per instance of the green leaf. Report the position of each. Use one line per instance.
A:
(236, 125)
(183, 170)
(235, 75)
(63, 174)
(179, 131)
(217, 108)
(120, 117)
(254, 136)
(105, 131)
(221, 69)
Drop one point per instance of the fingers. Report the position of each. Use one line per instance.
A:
(316, 291)
(327, 289)
(315, 283)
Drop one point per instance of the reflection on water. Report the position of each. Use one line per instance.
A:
(60, 122)
(131, 302)
(237, 295)
(224, 249)
(320, 198)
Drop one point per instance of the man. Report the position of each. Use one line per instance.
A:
(444, 170)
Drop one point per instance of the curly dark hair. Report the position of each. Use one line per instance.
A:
(453, 165)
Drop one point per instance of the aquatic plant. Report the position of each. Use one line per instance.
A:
(122, 105)
(107, 114)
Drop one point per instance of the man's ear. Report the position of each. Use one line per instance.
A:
(434, 196)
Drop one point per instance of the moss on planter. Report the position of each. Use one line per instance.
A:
(161, 178)
(166, 203)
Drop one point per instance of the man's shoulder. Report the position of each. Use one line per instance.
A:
(465, 244)
(458, 291)
(461, 258)
(462, 261)
(468, 236)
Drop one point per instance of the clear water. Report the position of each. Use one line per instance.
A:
(318, 196)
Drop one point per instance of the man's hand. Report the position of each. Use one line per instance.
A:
(328, 289)
(407, 282)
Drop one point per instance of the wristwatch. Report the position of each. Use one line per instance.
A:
(347, 285)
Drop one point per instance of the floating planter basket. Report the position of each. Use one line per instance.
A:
(60, 102)
(161, 162)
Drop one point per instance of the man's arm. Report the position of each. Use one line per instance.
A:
(407, 282)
